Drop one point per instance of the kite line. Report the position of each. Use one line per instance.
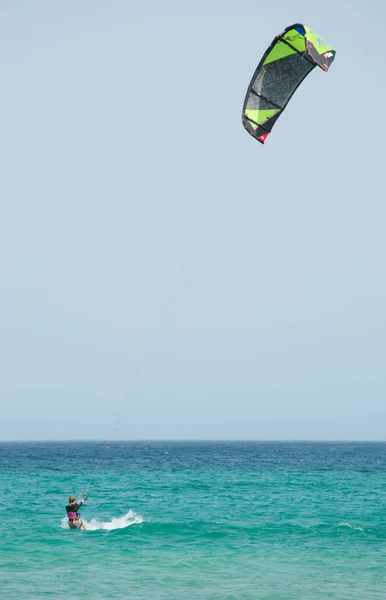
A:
(177, 282)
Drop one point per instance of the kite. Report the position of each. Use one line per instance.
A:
(289, 59)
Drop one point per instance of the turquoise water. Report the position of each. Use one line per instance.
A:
(195, 520)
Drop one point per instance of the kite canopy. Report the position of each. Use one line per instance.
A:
(287, 61)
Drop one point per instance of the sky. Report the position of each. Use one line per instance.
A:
(141, 228)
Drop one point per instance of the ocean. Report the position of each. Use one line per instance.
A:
(195, 520)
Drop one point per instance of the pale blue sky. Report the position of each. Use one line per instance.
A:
(121, 136)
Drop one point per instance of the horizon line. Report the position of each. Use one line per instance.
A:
(193, 440)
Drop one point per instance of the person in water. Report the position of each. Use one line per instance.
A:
(74, 519)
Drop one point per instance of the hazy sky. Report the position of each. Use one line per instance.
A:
(121, 138)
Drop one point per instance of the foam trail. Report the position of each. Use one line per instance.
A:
(130, 518)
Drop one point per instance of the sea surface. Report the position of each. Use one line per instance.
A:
(199, 520)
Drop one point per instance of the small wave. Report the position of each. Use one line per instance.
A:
(355, 527)
(130, 518)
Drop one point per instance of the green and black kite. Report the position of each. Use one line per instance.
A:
(287, 61)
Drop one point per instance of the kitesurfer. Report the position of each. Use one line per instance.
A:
(74, 519)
